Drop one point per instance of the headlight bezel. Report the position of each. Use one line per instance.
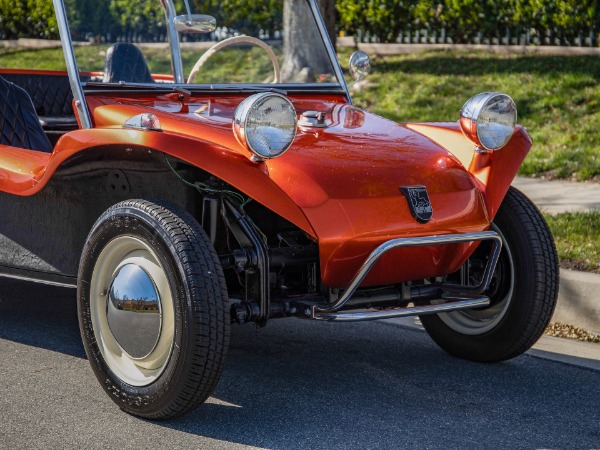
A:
(473, 114)
(243, 114)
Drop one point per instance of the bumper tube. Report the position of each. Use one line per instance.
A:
(459, 297)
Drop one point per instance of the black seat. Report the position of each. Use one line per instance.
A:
(19, 123)
(125, 62)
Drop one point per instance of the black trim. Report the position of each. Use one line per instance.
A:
(100, 88)
(418, 202)
(38, 277)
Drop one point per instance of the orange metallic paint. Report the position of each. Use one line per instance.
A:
(212, 158)
(341, 184)
(55, 73)
(493, 171)
(62, 73)
(469, 128)
(345, 178)
(454, 141)
(20, 169)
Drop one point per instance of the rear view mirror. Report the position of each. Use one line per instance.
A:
(195, 23)
(360, 65)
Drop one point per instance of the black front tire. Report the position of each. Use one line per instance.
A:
(185, 365)
(523, 297)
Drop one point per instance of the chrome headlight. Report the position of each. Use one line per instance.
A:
(489, 119)
(266, 124)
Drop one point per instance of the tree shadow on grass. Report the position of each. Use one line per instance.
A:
(482, 64)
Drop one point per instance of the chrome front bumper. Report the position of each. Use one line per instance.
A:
(456, 297)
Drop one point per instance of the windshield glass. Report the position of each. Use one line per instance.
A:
(221, 42)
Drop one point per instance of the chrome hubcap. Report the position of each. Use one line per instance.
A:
(133, 311)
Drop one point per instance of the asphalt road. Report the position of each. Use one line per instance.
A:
(294, 384)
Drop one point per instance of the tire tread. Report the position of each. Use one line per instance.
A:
(196, 257)
(524, 323)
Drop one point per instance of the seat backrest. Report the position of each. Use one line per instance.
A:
(19, 124)
(125, 62)
(51, 94)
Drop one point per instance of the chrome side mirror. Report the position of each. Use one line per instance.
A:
(195, 23)
(359, 65)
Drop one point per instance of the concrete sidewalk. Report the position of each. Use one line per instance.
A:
(579, 294)
(560, 196)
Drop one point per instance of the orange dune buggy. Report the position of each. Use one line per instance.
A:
(243, 186)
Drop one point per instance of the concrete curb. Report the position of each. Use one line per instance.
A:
(566, 351)
(30, 43)
(579, 300)
(404, 49)
(579, 293)
(370, 48)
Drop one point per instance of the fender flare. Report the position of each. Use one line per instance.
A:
(25, 172)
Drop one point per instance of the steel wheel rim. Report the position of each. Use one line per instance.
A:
(476, 322)
(120, 252)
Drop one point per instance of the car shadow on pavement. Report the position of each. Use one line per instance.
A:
(40, 316)
(301, 384)
(371, 385)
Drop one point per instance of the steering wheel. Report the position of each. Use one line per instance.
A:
(235, 40)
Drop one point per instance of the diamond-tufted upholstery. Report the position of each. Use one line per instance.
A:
(19, 123)
(51, 96)
(125, 62)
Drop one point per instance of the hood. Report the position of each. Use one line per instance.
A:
(357, 155)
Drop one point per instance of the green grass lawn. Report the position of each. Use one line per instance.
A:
(248, 65)
(558, 100)
(577, 237)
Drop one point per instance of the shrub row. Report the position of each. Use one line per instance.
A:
(461, 21)
(541, 21)
(123, 19)
(27, 18)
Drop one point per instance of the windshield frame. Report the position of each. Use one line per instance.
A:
(71, 62)
(340, 86)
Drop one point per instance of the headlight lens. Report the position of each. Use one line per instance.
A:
(266, 124)
(489, 119)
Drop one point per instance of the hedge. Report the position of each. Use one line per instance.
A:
(550, 22)
(554, 22)
(27, 18)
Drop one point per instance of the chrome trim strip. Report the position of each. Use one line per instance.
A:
(307, 88)
(38, 277)
(330, 49)
(72, 69)
(176, 63)
(317, 313)
(391, 313)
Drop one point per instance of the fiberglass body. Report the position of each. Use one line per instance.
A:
(183, 199)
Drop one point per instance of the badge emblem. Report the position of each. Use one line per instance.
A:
(419, 203)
